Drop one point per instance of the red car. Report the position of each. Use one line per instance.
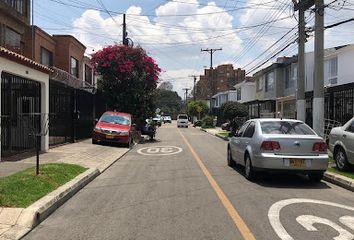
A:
(116, 127)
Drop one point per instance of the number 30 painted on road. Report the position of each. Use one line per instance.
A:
(308, 221)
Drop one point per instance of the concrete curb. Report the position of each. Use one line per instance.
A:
(41, 209)
(222, 137)
(339, 180)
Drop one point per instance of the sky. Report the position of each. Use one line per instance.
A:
(173, 32)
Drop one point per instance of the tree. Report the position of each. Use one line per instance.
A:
(128, 79)
(168, 101)
(166, 86)
(231, 110)
(198, 108)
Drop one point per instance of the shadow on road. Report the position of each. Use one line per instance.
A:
(148, 141)
(281, 180)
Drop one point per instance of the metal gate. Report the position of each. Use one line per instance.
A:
(20, 113)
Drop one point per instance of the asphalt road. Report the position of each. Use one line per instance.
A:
(192, 194)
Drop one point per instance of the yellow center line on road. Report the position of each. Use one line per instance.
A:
(240, 224)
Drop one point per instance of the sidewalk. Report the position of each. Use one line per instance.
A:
(15, 222)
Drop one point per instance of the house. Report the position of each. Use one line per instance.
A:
(245, 91)
(217, 80)
(272, 84)
(220, 98)
(24, 106)
(14, 20)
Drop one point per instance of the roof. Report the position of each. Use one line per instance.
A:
(5, 53)
(274, 120)
(225, 92)
(69, 36)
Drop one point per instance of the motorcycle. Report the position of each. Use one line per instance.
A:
(149, 129)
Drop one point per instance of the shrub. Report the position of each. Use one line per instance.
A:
(208, 122)
(231, 110)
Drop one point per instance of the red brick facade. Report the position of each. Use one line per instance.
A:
(222, 78)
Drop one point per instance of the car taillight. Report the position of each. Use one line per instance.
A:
(270, 146)
(319, 147)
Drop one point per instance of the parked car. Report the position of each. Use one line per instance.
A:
(167, 119)
(280, 145)
(182, 120)
(116, 127)
(341, 144)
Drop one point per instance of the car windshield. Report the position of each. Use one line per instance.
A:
(285, 127)
(115, 119)
(182, 117)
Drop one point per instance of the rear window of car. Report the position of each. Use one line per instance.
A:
(285, 127)
(182, 117)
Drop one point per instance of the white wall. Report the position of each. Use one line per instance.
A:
(248, 91)
(345, 66)
(32, 74)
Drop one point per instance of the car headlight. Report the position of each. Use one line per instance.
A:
(98, 129)
(124, 133)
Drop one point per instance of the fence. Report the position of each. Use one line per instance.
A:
(72, 113)
(339, 103)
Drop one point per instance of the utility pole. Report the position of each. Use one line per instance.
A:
(194, 81)
(318, 83)
(211, 52)
(210, 77)
(125, 42)
(186, 96)
(300, 94)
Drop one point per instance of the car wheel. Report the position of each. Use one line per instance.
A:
(230, 161)
(315, 177)
(341, 159)
(249, 171)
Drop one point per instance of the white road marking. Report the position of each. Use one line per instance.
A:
(160, 150)
(274, 213)
(347, 221)
(307, 221)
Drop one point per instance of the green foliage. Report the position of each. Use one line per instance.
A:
(24, 188)
(231, 110)
(198, 108)
(168, 101)
(208, 122)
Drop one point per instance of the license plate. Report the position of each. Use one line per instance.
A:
(297, 162)
(109, 136)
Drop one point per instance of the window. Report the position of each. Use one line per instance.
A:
(88, 74)
(351, 127)
(238, 92)
(259, 84)
(331, 66)
(12, 39)
(74, 67)
(289, 80)
(19, 5)
(250, 130)
(269, 84)
(242, 129)
(46, 57)
(286, 127)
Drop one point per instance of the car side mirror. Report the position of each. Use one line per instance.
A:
(96, 120)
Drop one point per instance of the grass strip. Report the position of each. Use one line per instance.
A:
(346, 174)
(24, 188)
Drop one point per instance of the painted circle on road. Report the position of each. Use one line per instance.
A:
(308, 221)
(160, 150)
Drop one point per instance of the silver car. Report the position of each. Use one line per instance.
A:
(341, 144)
(278, 145)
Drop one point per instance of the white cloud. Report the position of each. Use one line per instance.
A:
(175, 42)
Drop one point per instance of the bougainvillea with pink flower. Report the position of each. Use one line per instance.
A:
(128, 78)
